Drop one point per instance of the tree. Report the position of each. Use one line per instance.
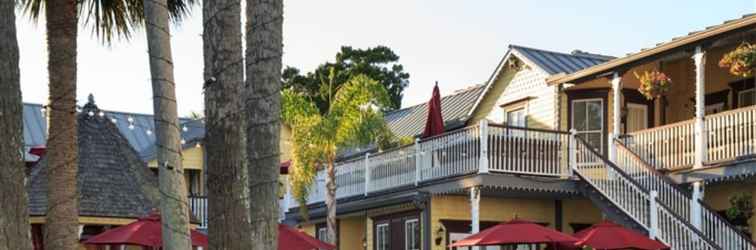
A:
(262, 100)
(353, 117)
(14, 215)
(225, 144)
(173, 194)
(379, 63)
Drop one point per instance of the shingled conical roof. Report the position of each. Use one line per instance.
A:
(112, 180)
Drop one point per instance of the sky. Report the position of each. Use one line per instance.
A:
(457, 43)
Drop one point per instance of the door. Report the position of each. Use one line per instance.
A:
(588, 121)
(637, 117)
(398, 232)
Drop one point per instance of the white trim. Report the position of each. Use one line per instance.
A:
(406, 241)
(492, 79)
(377, 234)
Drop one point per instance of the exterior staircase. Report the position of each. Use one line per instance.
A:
(633, 193)
(615, 191)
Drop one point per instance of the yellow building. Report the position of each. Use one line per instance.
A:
(565, 140)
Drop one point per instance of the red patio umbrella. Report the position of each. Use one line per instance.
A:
(145, 232)
(609, 236)
(291, 239)
(434, 125)
(516, 232)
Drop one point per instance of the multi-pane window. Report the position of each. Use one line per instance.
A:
(516, 118)
(588, 121)
(747, 98)
(382, 237)
(412, 234)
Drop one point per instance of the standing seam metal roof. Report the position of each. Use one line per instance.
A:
(557, 62)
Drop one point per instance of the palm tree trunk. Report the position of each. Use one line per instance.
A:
(14, 216)
(330, 201)
(62, 228)
(225, 144)
(173, 200)
(263, 107)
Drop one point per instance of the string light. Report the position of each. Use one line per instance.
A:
(101, 114)
(183, 141)
(184, 128)
(90, 113)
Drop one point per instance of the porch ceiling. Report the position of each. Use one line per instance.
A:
(743, 169)
(506, 185)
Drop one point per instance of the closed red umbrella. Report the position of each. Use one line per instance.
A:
(291, 239)
(144, 232)
(516, 232)
(609, 236)
(434, 125)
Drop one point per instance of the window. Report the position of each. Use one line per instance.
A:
(747, 98)
(382, 237)
(516, 118)
(323, 234)
(588, 121)
(412, 234)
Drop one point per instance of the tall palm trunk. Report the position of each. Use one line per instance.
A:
(14, 216)
(263, 107)
(62, 228)
(330, 200)
(174, 208)
(228, 215)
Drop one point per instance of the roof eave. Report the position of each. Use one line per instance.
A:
(684, 41)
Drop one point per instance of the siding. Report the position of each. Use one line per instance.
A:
(351, 232)
(527, 82)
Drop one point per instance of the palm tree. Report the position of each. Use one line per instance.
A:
(262, 100)
(173, 194)
(352, 118)
(14, 216)
(109, 19)
(228, 216)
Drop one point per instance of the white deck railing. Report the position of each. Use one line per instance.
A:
(713, 226)
(198, 208)
(634, 200)
(506, 150)
(730, 134)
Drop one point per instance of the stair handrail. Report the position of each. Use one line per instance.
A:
(661, 207)
(666, 179)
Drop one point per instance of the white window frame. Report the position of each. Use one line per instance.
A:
(406, 234)
(600, 148)
(378, 240)
(741, 96)
(519, 109)
(322, 232)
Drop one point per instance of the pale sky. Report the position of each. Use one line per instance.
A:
(457, 43)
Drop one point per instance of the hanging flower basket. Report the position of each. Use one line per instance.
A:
(740, 61)
(653, 84)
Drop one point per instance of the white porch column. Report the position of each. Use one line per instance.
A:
(483, 166)
(418, 161)
(475, 210)
(367, 173)
(616, 115)
(701, 149)
(701, 144)
(653, 220)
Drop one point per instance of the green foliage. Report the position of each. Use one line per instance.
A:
(352, 117)
(112, 18)
(379, 63)
(741, 208)
(740, 61)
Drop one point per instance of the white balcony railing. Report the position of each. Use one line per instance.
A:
(460, 152)
(729, 135)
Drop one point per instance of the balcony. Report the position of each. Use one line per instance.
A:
(483, 148)
(729, 136)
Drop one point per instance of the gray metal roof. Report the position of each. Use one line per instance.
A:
(138, 129)
(113, 181)
(410, 121)
(557, 62)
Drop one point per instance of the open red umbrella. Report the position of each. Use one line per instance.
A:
(434, 125)
(291, 239)
(609, 236)
(144, 232)
(515, 232)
